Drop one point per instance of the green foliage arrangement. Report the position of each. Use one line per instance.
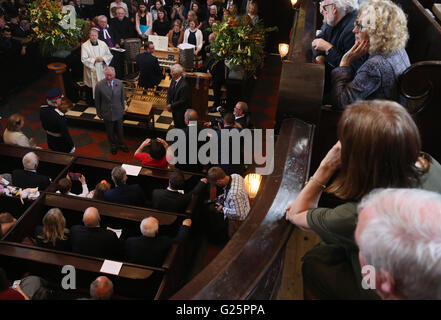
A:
(240, 43)
(46, 16)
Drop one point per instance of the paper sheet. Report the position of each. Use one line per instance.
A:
(4, 181)
(118, 49)
(184, 46)
(117, 231)
(111, 267)
(131, 170)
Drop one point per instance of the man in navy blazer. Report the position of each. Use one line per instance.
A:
(148, 65)
(150, 248)
(124, 193)
(93, 240)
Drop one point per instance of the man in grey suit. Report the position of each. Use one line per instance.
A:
(109, 103)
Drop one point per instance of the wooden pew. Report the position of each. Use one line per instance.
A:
(133, 279)
(425, 33)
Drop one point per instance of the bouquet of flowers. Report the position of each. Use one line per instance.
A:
(240, 43)
(47, 17)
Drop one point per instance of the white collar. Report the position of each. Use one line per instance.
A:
(239, 117)
(180, 191)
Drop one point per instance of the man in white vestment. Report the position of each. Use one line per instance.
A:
(95, 56)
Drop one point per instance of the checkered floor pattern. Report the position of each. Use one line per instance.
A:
(162, 118)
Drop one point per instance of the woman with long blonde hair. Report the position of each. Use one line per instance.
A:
(53, 234)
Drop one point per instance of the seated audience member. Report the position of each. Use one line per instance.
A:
(178, 11)
(119, 4)
(13, 134)
(175, 35)
(28, 177)
(7, 292)
(101, 288)
(381, 31)
(379, 147)
(234, 204)
(161, 26)
(194, 36)
(122, 26)
(150, 73)
(240, 114)
(407, 220)
(150, 248)
(99, 191)
(81, 10)
(335, 37)
(234, 11)
(123, 193)
(53, 234)
(6, 222)
(65, 185)
(143, 21)
(93, 240)
(173, 199)
(153, 153)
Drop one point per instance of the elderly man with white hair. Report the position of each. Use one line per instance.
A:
(28, 177)
(150, 248)
(178, 96)
(95, 56)
(335, 37)
(399, 237)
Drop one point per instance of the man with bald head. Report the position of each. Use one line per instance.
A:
(28, 177)
(150, 248)
(93, 240)
(101, 288)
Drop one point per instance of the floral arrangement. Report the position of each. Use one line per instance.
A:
(46, 17)
(240, 43)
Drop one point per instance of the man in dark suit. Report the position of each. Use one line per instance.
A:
(148, 65)
(178, 96)
(173, 198)
(123, 193)
(29, 178)
(110, 106)
(122, 26)
(92, 240)
(151, 249)
(193, 165)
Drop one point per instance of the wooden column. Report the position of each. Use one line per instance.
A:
(58, 69)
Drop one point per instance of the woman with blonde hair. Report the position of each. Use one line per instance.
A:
(53, 234)
(381, 31)
(14, 135)
(379, 147)
(191, 16)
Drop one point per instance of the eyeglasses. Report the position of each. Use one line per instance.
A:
(323, 7)
(357, 24)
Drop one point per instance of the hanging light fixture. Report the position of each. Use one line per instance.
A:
(293, 3)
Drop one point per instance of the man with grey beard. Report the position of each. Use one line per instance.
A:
(335, 37)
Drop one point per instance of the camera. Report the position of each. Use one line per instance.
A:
(217, 122)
